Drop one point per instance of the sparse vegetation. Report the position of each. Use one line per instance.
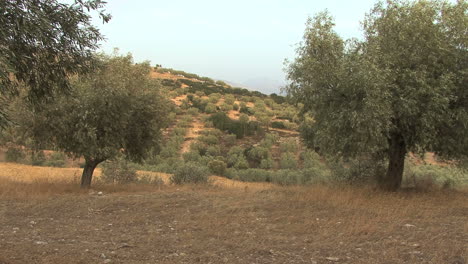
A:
(190, 172)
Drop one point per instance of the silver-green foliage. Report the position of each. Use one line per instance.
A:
(402, 88)
(118, 171)
(116, 108)
(190, 173)
(43, 43)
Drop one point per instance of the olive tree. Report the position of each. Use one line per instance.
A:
(401, 89)
(42, 43)
(116, 109)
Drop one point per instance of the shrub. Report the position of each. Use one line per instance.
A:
(269, 140)
(253, 175)
(190, 173)
(233, 155)
(289, 177)
(209, 139)
(311, 159)
(146, 178)
(358, 171)
(38, 158)
(277, 124)
(226, 107)
(14, 154)
(235, 107)
(210, 108)
(229, 99)
(199, 147)
(241, 163)
(214, 98)
(118, 171)
(192, 155)
(246, 110)
(267, 163)
(217, 167)
(257, 154)
(192, 111)
(289, 145)
(56, 159)
(213, 151)
(179, 131)
(288, 161)
(429, 176)
(230, 140)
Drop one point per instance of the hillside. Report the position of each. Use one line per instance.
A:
(249, 146)
(244, 136)
(255, 137)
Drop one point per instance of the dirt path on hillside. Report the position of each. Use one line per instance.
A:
(192, 134)
(178, 100)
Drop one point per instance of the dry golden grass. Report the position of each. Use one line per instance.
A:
(25, 181)
(227, 222)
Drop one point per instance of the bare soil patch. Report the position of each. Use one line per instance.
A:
(203, 224)
(192, 134)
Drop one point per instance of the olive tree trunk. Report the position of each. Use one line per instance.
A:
(87, 176)
(396, 163)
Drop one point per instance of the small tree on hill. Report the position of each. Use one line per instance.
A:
(116, 109)
(403, 88)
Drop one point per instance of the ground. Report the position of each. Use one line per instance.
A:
(52, 221)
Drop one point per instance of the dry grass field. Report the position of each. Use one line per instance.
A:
(46, 218)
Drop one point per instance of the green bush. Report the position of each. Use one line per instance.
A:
(229, 99)
(230, 140)
(428, 176)
(253, 175)
(289, 145)
(199, 147)
(289, 177)
(214, 98)
(179, 131)
(217, 167)
(239, 127)
(241, 163)
(118, 171)
(209, 139)
(288, 161)
(14, 154)
(38, 158)
(277, 124)
(213, 151)
(267, 163)
(210, 108)
(269, 140)
(190, 173)
(56, 159)
(226, 107)
(193, 111)
(236, 158)
(311, 159)
(358, 171)
(192, 156)
(146, 178)
(256, 154)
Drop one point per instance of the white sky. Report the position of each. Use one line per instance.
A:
(228, 40)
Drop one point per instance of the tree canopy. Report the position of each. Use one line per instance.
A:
(42, 43)
(400, 89)
(115, 109)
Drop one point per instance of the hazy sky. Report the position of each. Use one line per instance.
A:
(229, 40)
